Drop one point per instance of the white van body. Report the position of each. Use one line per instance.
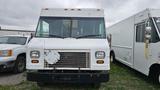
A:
(67, 53)
(130, 46)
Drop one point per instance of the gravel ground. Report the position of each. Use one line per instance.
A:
(11, 79)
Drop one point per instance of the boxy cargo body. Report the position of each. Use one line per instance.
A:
(70, 45)
(135, 42)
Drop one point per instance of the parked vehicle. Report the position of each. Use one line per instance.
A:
(15, 32)
(135, 42)
(70, 45)
(13, 52)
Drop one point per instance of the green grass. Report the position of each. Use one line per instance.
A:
(125, 78)
(121, 78)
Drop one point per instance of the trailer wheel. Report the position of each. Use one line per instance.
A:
(20, 64)
(112, 57)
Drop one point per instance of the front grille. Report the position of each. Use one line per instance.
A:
(71, 60)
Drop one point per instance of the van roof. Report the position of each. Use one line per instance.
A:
(69, 12)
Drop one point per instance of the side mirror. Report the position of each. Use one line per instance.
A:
(148, 30)
(32, 35)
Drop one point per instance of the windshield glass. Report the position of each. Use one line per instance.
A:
(71, 27)
(13, 40)
(157, 20)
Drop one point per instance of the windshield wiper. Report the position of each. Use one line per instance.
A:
(51, 35)
(12, 43)
(56, 36)
(85, 36)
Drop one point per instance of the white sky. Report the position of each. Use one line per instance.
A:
(25, 13)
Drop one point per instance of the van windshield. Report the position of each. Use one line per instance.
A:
(13, 40)
(58, 27)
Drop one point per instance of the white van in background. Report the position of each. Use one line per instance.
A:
(135, 42)
(70, 46)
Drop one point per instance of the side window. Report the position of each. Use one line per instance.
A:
(154, 34)
(45, 27)
(140, 32)
(138, 28)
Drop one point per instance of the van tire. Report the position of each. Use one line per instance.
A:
(20, 64)
(157, 77)
(112, 57)
(154, 73)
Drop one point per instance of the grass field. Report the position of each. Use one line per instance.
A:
(121, 78)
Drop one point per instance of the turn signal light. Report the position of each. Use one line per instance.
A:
(35, 61)
(100, 62)
(10, 53)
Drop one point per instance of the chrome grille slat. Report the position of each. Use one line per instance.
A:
(71, 60)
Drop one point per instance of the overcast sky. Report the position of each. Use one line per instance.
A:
(25, 13)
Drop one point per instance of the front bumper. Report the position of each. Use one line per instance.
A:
(6, 63)
(68, 77)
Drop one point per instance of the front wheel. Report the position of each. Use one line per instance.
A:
(20, 64)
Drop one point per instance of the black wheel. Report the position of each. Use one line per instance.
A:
(112, 57)
(20, 64)
(157, 77)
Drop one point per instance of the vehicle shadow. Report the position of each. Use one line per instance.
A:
(69, 87)
(3, 74)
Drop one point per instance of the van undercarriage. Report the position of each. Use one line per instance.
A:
(68, 76)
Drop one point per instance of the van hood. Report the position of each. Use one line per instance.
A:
(8, 46)
(68, 43)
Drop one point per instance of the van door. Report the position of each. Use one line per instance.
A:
(141, 49)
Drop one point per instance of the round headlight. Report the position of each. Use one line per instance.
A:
(100, 55)
(34, 54)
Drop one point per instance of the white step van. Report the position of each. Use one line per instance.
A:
(135, 42)
(70, 45)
